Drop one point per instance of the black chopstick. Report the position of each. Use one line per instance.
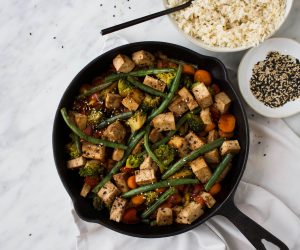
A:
(144, 19)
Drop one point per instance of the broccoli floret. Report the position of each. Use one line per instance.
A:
(187, 81)
(195, 122)
(165, 154)
(91, 168)
(72, 150)
(137, 121)
(166, 77)
(124, 88)
(98, 203)
(150, 102)
(94, 116)
(150, 197)
(134, 161)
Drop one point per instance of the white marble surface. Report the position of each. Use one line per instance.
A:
(43, 45)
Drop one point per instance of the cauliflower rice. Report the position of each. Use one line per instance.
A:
(230, 23)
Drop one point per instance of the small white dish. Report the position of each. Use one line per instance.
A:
(284, 46)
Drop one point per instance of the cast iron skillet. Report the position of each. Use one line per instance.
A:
(225, 205)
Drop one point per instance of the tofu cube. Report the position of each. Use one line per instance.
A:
(208, 199)
(164, 216)
(178, 106)
(205, 116)
(113, 101)
(121, 181)
(133, 100)
(202, 95)
(212, 135)
(148, 163)
(194, 141)
(118, 209)
(145, 176)
(188, 98)
(201, 169)
(189, 213)
(76, 163)
(212, 157)
(85, 190)
(80, 120)
(118, 154)
(108, 193)
(155, 135)
(92, 151)
(180, 144)
(123, 63)
(115, 132)
(164, 122)
(143, 58)
(232, 146)
(154, 83)
(222, 102)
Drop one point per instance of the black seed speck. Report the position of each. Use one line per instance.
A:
(129, 7)
(54, 37)
(265, 154)
(30, 34)
(101, 4)
(29, 234)
(62, 46)
(114, 15)
(259, 142)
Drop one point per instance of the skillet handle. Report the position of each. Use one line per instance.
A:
(249, 228)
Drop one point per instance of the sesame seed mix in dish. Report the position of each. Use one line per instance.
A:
(153, 139)
(230, 23)
(276, 80)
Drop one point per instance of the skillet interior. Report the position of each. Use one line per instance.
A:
(73, 182)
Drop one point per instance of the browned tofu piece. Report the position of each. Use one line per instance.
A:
(143, 58)
(212, 157)
(80, 120)
(189, 213)
(208, 199)
(121, 181)
(201, 169)
(232, 146)
(123, 63)
(145, 176)
(113, 101)
(205, 116)
(93, 151)
(212, 135)
(178, 106)
(76, 163)
(202, 95)
(194, 141)
(164, 122)
(118, 154)
(222, 102)
(188, 98)
(155, 135)
(117, 209)
(180, 144)
(115, 132)
(154, 83)
(164, 216)
(133, 100)
(108, 193)
(148, 163)
(85, 190)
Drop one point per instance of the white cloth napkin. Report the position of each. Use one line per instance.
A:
(268, 193)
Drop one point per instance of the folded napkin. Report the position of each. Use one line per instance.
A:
(268, 193)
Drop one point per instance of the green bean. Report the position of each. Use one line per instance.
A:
(161, 184)
(90, 139)
(132, 143)
(159, 201)
(193, 155)
(137, 73)
(77, 142)
(161, 166)
(111, 120)
(145, 88)
(218, 171)
(94, 90)
(169, 97)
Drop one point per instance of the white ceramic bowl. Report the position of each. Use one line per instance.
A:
(201, 44)
(284, 46)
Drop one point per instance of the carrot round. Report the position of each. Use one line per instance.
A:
(225, 135)
(131, 182)
(137, 200)
(209, 127)
(227, 123)
(203, 76)
(216, 188)
(130, 216)
(188, 69)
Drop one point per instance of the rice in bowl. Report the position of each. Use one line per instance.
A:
(230, 23)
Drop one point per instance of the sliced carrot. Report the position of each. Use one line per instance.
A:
(137, 200)
(160, 190)
(227, 123)
(216, 188)
(203, 76)
(130, 216)
(188, 69)
(131, 182)
(225, 135)
(210, 127)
